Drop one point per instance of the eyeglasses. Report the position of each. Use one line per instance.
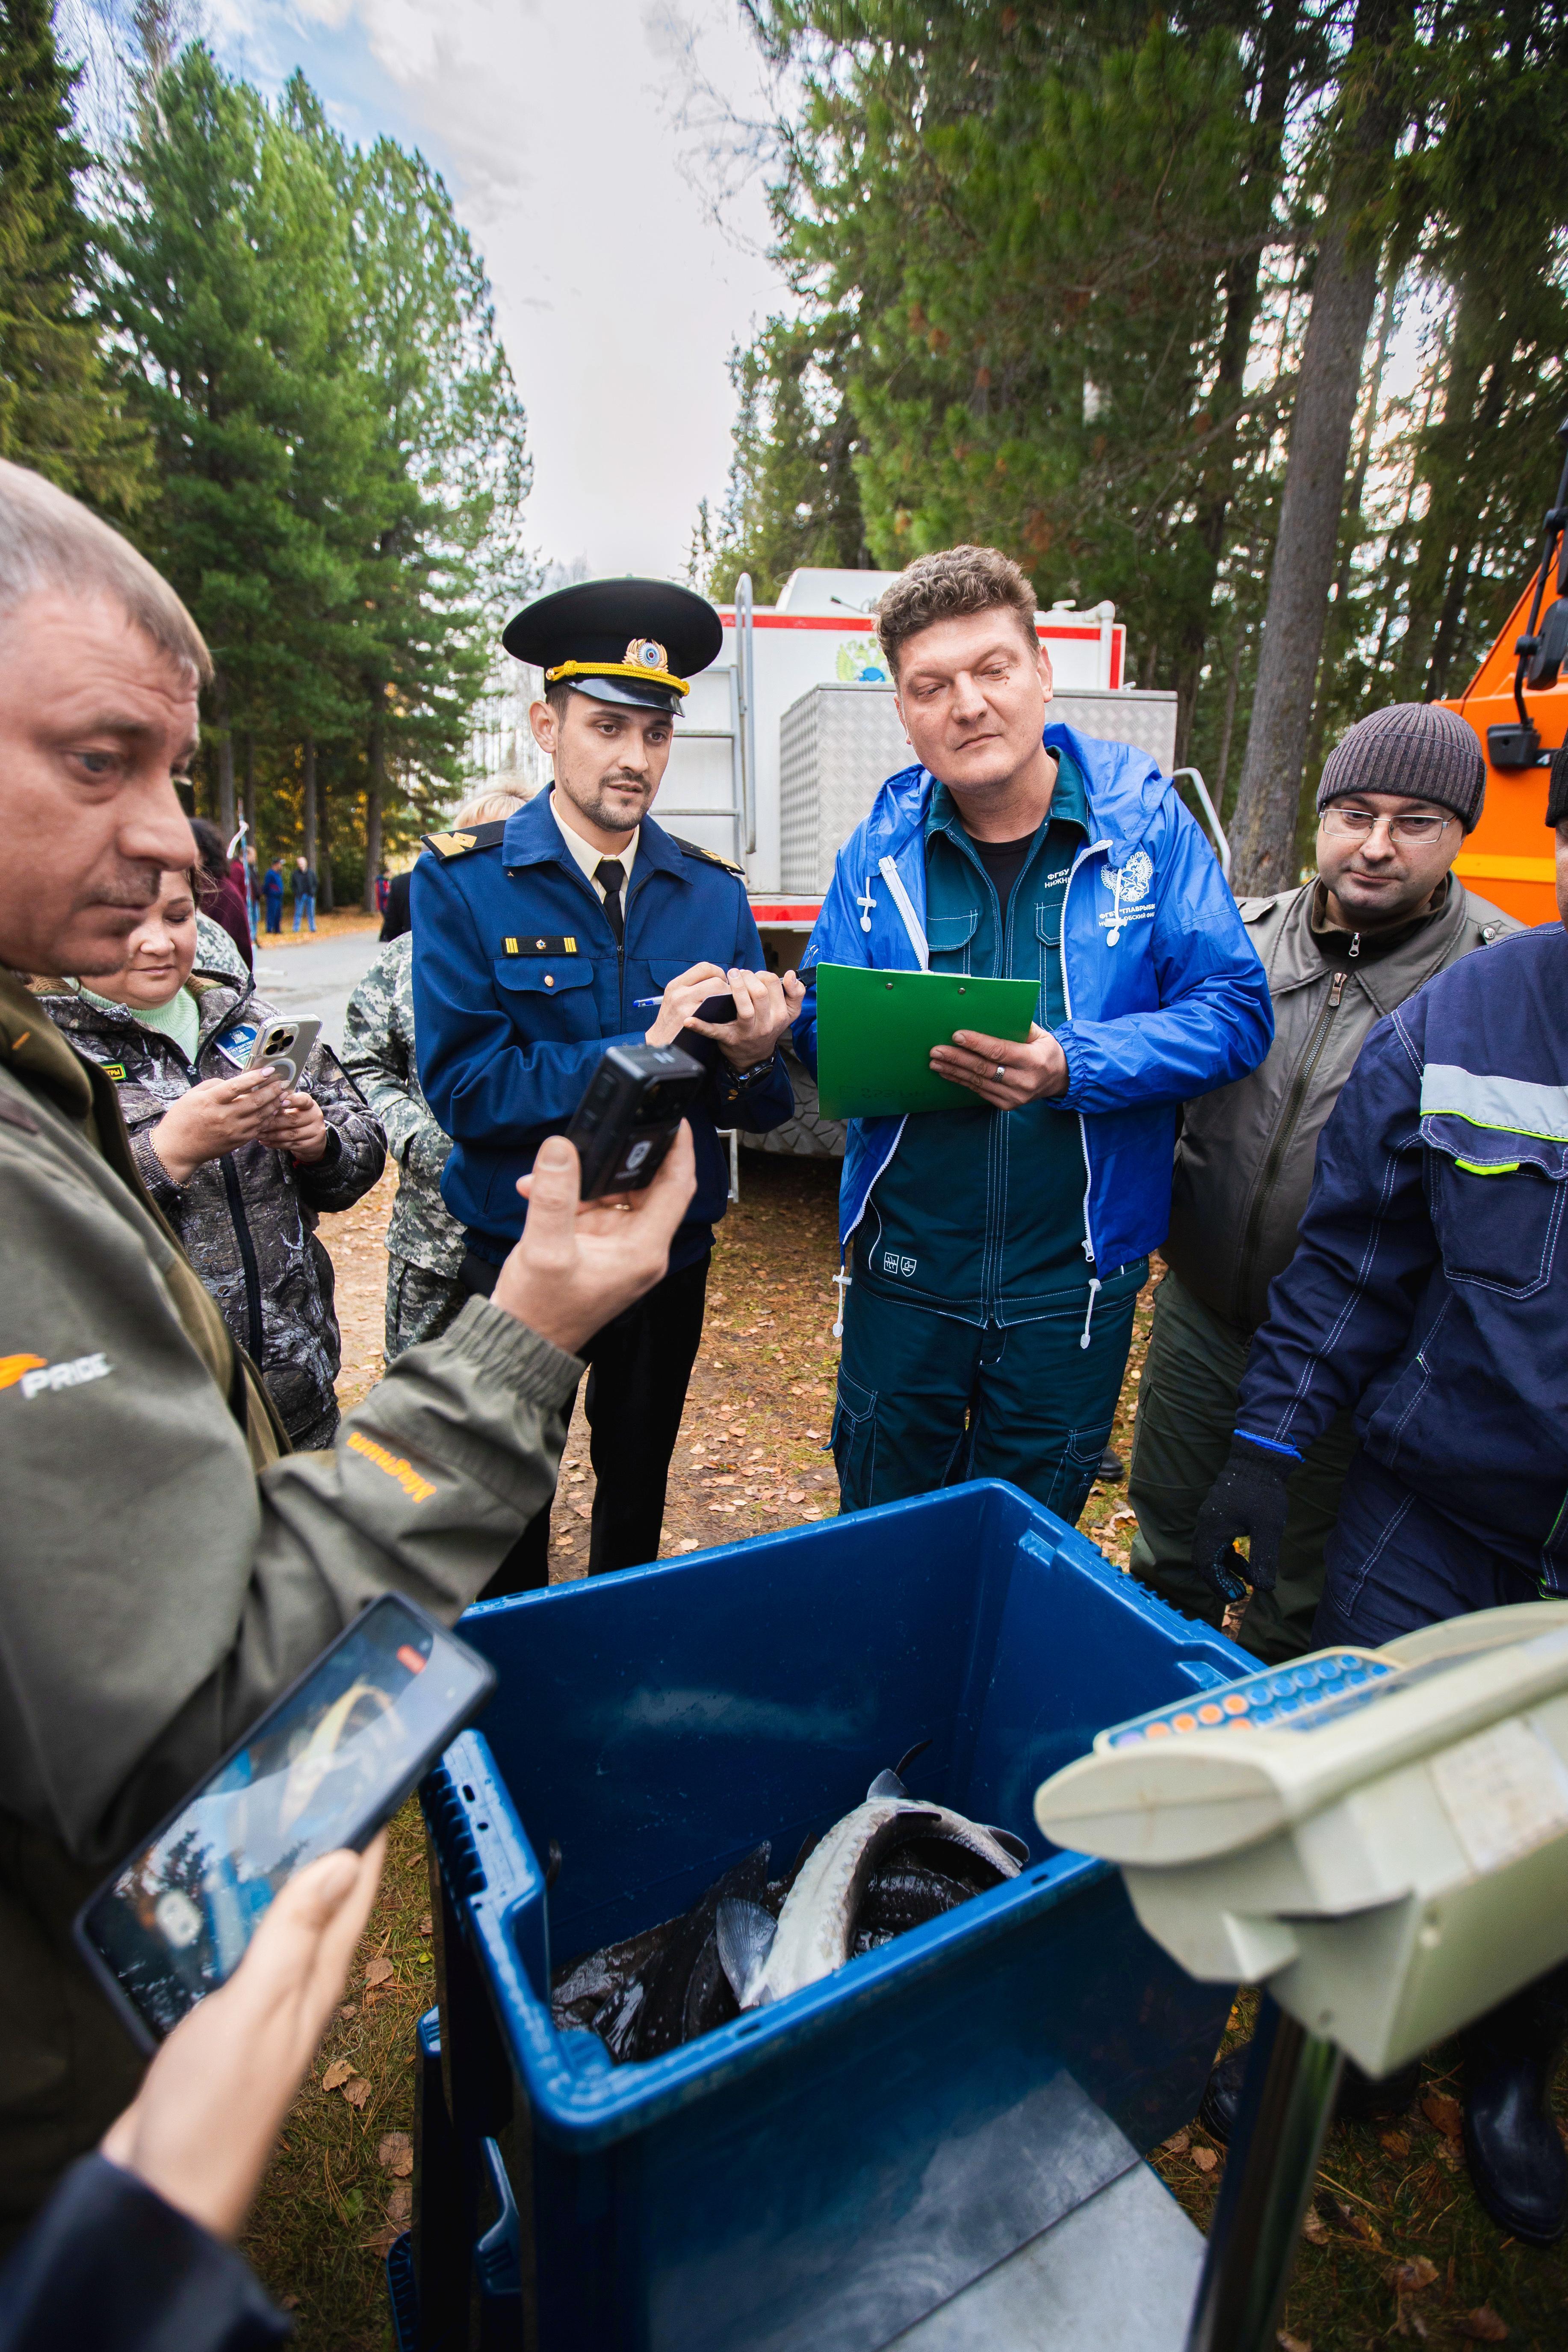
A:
(1360, 823)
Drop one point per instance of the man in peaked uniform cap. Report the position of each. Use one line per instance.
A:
(534, 939)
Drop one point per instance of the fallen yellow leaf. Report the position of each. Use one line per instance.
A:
(337, 2074)
(396, 2153)
(377, 1973)
(357, 2091)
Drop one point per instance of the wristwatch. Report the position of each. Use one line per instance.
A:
(757, 1070)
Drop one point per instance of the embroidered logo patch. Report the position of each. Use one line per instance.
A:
(115, 1070)
(1129, 886)
(893, 1264)
(35, 1376)
(1135, 878)
(417, 1490)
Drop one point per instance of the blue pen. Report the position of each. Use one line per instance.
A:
(646, 1004)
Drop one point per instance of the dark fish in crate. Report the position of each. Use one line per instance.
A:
(664, 1986)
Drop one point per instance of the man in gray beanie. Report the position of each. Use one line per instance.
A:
(1383, 913)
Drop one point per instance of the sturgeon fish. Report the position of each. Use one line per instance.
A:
(816, 1931)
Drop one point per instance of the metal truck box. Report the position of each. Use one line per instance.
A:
(838, 744)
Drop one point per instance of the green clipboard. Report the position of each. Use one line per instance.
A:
(875, 1031)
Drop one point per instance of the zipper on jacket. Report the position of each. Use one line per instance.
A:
(243, 1235)
(1282, 1133)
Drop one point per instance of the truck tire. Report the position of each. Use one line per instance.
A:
(806, 1136)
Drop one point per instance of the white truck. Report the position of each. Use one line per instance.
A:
(782, 744)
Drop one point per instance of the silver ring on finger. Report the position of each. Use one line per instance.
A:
(1001, 1069)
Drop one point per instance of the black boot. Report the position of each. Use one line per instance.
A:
(1362, 2099)
(1111, 1467)
(1513, 2146)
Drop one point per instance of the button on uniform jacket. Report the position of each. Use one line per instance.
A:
(1430, 1289)
(1165, 996)
(519, 984)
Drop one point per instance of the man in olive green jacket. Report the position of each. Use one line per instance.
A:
(1383, 914)
(167, 1566)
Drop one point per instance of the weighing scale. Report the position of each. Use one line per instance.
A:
(1380, 1837)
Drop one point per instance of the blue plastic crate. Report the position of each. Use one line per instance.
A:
(818, 2174)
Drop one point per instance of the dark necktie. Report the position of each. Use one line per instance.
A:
(610, 874)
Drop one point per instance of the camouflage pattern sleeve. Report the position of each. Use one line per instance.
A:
(378, 1055)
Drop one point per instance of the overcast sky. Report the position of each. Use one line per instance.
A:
(618, 296)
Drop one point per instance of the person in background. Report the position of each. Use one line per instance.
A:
(395, 917)
(999, 1249)
(302, 882)
(1429, 1297)
(424, 1240)
(252, 889)
(194, 1567)
(222, 901)
(135, 2248)
(381, 888)
(241, 1170)
(272, 891)
(1399, 795)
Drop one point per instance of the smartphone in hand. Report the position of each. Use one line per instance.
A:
(322, 1768)
(284, 1045)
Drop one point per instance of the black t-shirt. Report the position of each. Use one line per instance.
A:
(1004, 861)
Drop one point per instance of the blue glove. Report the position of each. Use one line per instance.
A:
(1247, 1499)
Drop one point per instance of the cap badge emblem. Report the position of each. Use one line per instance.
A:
(646, 653)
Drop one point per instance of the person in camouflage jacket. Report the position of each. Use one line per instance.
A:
(246, 1219)
(424, 1240)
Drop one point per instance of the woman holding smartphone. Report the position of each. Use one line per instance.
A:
(240, 1168)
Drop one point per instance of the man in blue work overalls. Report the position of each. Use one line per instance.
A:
(998, 1251)
(576, 924)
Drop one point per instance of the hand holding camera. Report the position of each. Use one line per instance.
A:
(579, 1264)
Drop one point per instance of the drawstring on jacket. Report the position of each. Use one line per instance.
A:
(1093, 1293)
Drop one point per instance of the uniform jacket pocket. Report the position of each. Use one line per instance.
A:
(1498, 1213)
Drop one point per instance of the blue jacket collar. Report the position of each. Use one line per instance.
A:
(1124, 788)
(533, 838)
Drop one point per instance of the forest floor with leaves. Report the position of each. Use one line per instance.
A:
(340, 923)
(1395, 2250)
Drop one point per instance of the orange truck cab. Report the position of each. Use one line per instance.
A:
(1518, 704)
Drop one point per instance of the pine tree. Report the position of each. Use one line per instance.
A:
(1373, 114)
(793, 497)
(59, 405)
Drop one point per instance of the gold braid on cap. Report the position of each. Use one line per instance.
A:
(645, 658)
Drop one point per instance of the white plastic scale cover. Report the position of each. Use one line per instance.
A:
(1380, 1836)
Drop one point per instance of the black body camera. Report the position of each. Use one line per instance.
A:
(630, 1114)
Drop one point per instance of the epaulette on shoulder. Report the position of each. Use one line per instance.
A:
(472, 837)
(709, 857)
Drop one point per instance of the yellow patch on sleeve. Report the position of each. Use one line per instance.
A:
(417, 1490)
(12, 1367)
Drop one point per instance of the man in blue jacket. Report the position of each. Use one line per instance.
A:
(1429, 1294)
(998, 1251)
(576, 924)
